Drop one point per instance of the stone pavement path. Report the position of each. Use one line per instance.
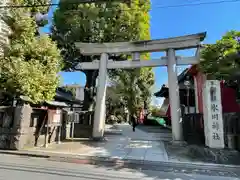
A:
(138, 145)
(157, 132)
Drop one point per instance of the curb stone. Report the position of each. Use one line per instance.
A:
(227, 170)
(92, 159)
(25, 153)
(147, 165)
(113, 132)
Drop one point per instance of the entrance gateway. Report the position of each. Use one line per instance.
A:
(168, 45)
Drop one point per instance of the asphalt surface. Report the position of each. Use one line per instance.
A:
(22, 168)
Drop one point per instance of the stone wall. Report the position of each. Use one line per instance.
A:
(23, 137)
(14, 128)
(20, 126)
(82, 131)
(7, 132)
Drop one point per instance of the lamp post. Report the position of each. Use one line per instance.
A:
(187, 84)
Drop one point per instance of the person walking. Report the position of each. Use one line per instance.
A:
(134, 121)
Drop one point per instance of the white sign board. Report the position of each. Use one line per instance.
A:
(80, 93)
(54, 116)
(213, 119)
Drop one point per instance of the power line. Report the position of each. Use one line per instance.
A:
(56, 4)
(87, 1)
(198, 4)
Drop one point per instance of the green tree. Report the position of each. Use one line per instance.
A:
(96, 23)
(134, 87)
(70, 89)
(222, 59)
(30, 63)
(156, 111)
(115, 103)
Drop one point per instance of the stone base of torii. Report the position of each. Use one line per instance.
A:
(169, 45)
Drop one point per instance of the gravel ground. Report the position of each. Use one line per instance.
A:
(194, 153)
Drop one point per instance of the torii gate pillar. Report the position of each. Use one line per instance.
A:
(100, 108)
(177, 134)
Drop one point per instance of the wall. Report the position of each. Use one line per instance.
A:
(7, 133)
(228, 95)
(229, 102)
(19, 128)
(200, 79)
(14, 127)
(164, 107)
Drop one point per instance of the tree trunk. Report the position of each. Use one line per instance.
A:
(89, 95)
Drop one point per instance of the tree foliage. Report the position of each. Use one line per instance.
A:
(100, 22)
(127, 91)
(114, 103)
(133, 87)
(30, 63)
(70, 89)
(222, 59)
(156, 111)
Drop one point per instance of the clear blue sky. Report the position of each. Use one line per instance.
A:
(215, 19)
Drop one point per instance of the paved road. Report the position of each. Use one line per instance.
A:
(22, 168)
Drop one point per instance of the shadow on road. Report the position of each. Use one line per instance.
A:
(107, 172)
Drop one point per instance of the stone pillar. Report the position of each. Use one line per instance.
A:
(213, 120)
(177, 134)
(99, 114)
(22, 118)
(80, 93)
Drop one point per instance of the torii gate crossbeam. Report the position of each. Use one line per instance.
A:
(168, 45)
(128, 64)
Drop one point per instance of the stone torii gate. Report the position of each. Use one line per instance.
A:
(169, 45)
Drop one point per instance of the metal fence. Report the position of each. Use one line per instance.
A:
(232, 130)
(193, 128)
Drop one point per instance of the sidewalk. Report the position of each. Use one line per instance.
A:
(124, 144)
(122, 147)
(190, 153)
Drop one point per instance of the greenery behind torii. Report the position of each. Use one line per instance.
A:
(222, 59)
(106, 22)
